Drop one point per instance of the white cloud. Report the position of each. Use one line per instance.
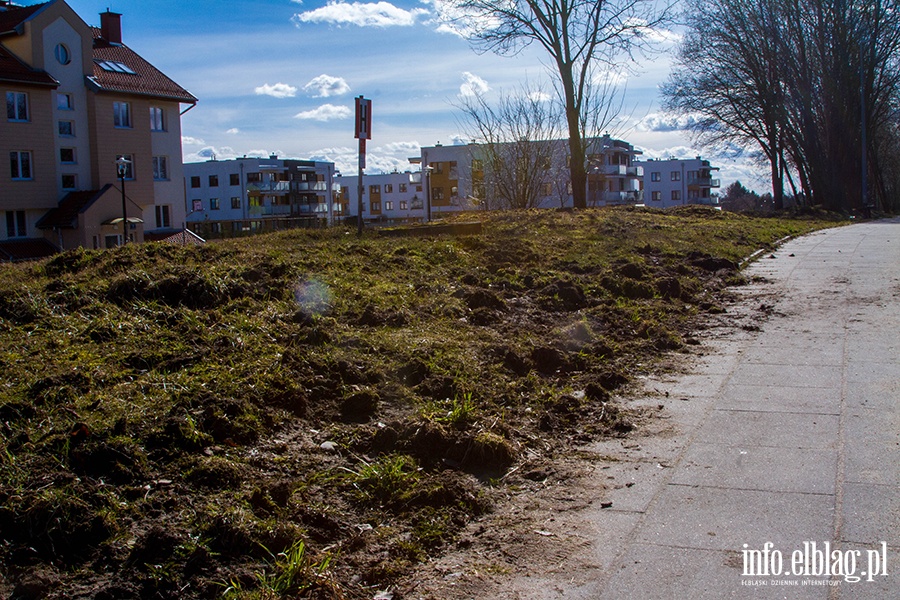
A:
(611, 78)
(325, 86)
(451, 18)
(666, 122)
(539, 96)
(362, 14)
(191, 141)
(279, 90)
(472, 85)
(326, 112)
(233, 131)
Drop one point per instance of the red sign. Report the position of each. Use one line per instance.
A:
(363, 119)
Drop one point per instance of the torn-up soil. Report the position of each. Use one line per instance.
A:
(308, 414)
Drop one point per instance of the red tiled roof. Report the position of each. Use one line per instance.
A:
(13, 69)
(65, 216)
(27, 249)
(14, 16)
(147, 80)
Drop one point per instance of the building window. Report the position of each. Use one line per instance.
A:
(157, 123)
(234, 179)
(402, 188)
(374, 189)
(388, 188)
(477, 165)
(15, 223)
(67, 156)
(129, 166)
(20, 165)
(676, 176)
(63, 56)
(64, 102)
(160, 168)
(656, 196)
(389, 205)
(66, 128)
(213, 204)
(163, 216)
(691, 175)
(403, 204)
(213, 181)
(215, 228)
(196, 205)
(376, 207)
(122, 114)
(437, 193)
(69, 182)
(17, 106)
(235, 202)
(655, 176)
(195, 181)
(676, 195)
(237, 227)
(254, 177)
(438, 167)
(693, 194)
(454, 191)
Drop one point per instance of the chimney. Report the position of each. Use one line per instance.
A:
(111, 27)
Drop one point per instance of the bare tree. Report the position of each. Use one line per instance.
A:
(729, 74)
(581, 38)
(813, 83)
(517, 153)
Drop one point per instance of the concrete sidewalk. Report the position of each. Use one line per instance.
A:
(788, 436)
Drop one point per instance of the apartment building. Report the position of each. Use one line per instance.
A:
(387, 197)
(679, 181)
(230, 198)
(78, 100)
(473, 176)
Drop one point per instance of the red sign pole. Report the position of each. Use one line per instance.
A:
(363, 132)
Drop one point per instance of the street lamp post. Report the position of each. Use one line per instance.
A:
(122, 167)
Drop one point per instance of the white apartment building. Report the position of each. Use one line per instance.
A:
(387, 197)
(229, 198)
(459, 177)
(679, 181)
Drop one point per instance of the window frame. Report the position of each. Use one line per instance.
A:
(161, 168)
(16, 224)
(163, 217)
(13, 105)
(74, 179)
(62, 159)
(157, 118)
(68, 104)
(18, 167)
(122, 115)
(64, 124)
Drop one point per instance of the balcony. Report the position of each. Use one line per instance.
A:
(707, 182)
(268, 211)
(269, 187)
(628, 197)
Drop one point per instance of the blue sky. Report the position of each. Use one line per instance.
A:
(280, 76)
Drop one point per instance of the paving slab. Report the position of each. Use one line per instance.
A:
(791, 439)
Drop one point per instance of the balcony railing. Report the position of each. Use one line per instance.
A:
(265, 211)
(269, 186)
(703, 182)
(629, 197)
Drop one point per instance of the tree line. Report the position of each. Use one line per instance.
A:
(812, 84)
